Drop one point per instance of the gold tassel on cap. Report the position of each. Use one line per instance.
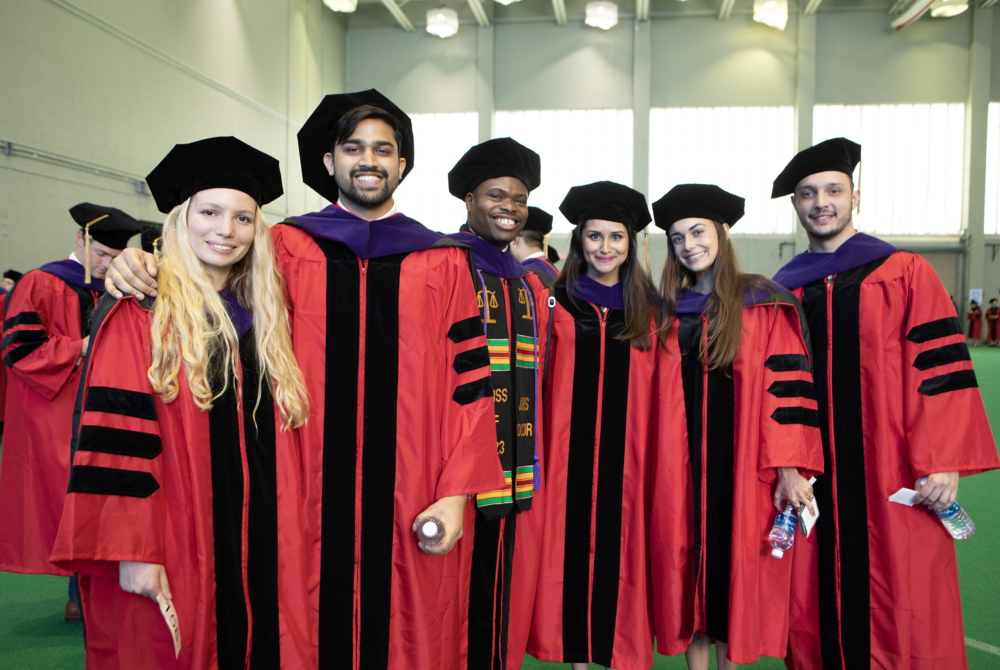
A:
(545, 245)
(645, 249)
(857, 187)
(86, 247)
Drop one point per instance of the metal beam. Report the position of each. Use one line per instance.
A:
(811, 7)
(642, 10)
(477, 9)
(726, 10)
(559, 7)
(399, 15)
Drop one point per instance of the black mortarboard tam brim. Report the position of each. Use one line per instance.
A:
(837, 155)
(111, 227)
(314, 137)
(607, 201)
(501, 157)
(538, 221)
(553, 255)
(698, 201)
(13, 275)
(216, 162)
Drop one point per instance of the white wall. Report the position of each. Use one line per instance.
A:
(119, 83)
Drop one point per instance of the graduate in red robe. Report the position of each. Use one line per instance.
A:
(45, 335)
(993, 320)
(494, 179)
(737, 437)
(383, 315)
(876, 584)
(592, 604)
(530, 246)
(975, 319)
(168, 495)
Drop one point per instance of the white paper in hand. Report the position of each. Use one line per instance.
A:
(170, 616)
(806, 519)
(903, 496)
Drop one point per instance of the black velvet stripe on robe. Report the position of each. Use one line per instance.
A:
(599, 616)
(227, 512)
(719, 462)
(852, 510)
(381, 365)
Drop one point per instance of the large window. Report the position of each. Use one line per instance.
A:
(576, 147)
(992, 219)
(910, 175)
(741, 149)
(439, 141)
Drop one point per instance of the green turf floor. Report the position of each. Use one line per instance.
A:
(33, 635)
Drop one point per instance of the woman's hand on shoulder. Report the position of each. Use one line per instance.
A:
(132, 272)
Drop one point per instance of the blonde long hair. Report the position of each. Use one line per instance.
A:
(190, 323)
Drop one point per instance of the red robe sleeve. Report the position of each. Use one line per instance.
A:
(114, 509)
(789, 419)
(946, 425)
(3, 374)
(468, 435)
(41, 354)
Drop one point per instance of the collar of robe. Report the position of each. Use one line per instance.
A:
(489, 258)
(808, 267)
(241, 317)
(396, 234)
(596, 293)
(72, 272)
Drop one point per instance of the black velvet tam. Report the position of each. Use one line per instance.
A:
(607, 201)
(314, 137)
(699, 201)
(502, 157)
(216, 162)
(113, 230)
(838, 155)
(13, 275)
(539, 221)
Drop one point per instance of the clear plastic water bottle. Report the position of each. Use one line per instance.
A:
(430, 531)
(783, 531)
(955, 519)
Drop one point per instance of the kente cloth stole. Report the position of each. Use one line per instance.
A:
(514, 374)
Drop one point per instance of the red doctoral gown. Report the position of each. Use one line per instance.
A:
(3, 374)
(992, 317)
(46, 320)
(167, 483)
(592, 602)
(876, 585)
(975, 317)
(381, 316)
(720, 440)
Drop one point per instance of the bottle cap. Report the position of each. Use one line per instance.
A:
(429, 529)
(777, 553)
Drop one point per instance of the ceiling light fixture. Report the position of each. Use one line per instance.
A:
(347, 6)
(507, 2)
(602, 14)
(772, 13)
(442, 22)
(945, 9)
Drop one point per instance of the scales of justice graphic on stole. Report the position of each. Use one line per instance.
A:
(514, 374)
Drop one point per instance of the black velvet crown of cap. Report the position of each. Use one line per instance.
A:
(838, 155)
(113, 231)
(699, 201)
(314, 137)
(502, 157)
(217, 162)
(539, 221)
(13, 275)
(607, 201)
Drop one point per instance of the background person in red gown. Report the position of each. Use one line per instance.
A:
(529, 246)
(45, 337)
(592, 603)
(737, 437)
(993, 323)
(876, 584)
(975, 318)
(173, 489)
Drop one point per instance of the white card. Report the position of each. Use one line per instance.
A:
(170, 616)
(807, 520)
(903, 496)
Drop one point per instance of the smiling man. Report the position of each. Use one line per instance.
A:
(876, 584)
(387, 334)
(494, 179)
(46, 332)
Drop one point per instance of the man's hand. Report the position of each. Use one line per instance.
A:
(939, 491)
(86, 345)
(451, 511)
(132, 272)
(144, 579)
(794, 488)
